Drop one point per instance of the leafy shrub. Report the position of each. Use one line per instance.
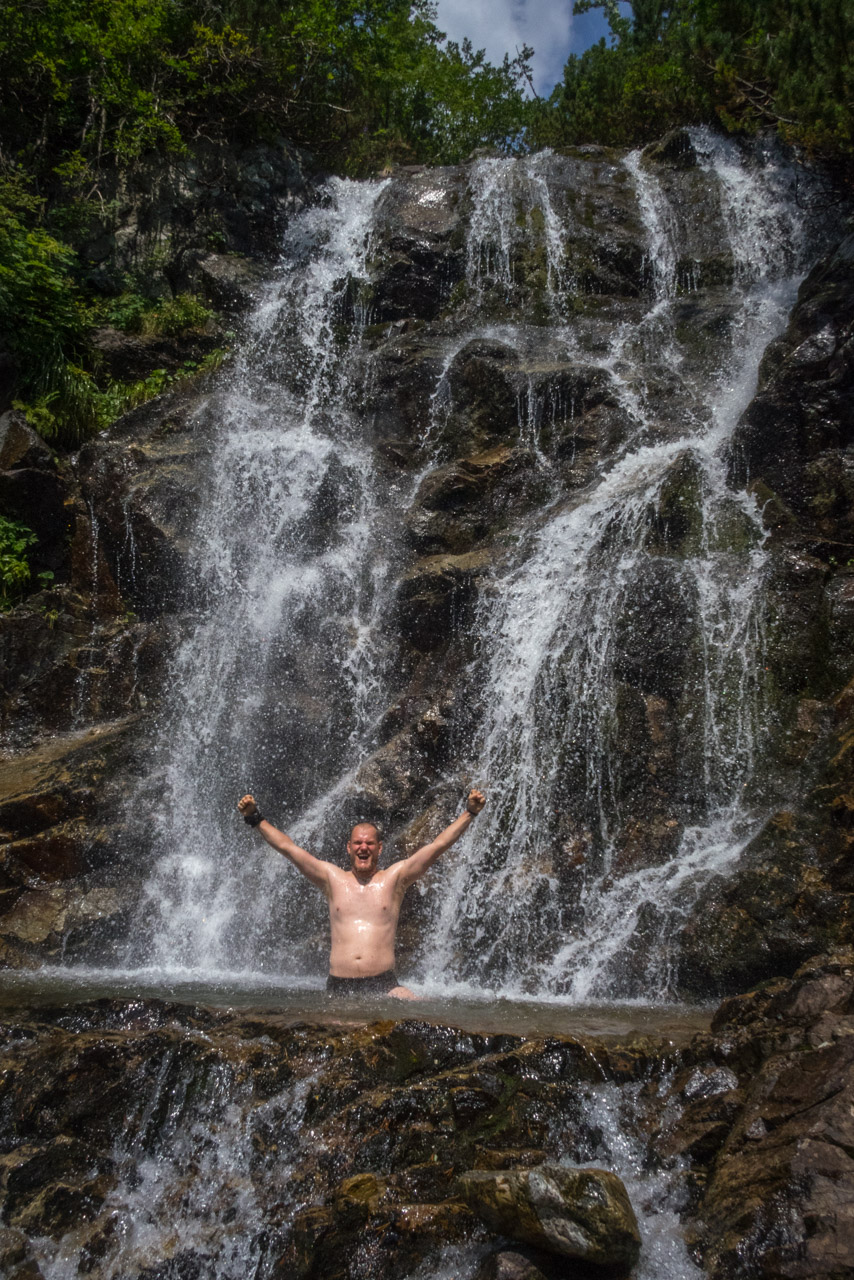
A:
(79, 408)
(41, 314)
(132, 312)
(126, 312)
(15, 573)
(176, 316)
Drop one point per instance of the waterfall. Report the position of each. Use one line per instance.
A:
(288, 664)
(289, 599)
(539, 902)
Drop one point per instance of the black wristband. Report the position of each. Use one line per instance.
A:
(254, 818)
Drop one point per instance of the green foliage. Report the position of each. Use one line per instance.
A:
(126, 312)
(89, 86)
(16, 540)
(173, 317)
(91, 81)
(41, 315)
(747, 63)
(77, 408)
(132, 312)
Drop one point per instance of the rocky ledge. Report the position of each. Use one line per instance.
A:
(146, 1138)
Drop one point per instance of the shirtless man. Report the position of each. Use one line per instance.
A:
(364, 903)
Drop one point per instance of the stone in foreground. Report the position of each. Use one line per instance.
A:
(576, 1213)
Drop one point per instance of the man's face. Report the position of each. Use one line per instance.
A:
(364, 848)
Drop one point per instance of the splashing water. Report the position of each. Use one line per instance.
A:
(655, 1194)
(189, 1187)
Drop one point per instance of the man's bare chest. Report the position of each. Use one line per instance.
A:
(376, 902)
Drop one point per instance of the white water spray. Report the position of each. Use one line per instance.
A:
(561, 635)
(283, 568)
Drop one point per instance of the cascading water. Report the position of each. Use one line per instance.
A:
(558, 637)
(297, 547)
(286, 585)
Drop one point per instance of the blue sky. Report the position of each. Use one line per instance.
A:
(500, 26)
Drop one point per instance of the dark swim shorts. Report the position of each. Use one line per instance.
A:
(379, 984)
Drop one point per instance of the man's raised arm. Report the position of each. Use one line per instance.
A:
(312, 868)
(413, 868)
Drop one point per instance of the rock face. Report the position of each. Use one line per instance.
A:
(140, 1138)
(287, 1150)
(83, 662)
(764, 1110)
(791, 892)
(574, 1213)
(167, 215)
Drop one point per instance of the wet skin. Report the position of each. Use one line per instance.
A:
(364, 902)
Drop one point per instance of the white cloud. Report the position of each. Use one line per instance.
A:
(502, 26)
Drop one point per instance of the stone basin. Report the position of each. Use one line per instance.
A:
(669, 1024)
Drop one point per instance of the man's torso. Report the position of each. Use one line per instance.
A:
(363, 920)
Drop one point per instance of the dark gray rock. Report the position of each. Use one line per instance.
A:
(231, 283)
(19, 444)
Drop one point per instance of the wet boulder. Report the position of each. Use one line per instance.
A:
(656, 629)
(778, 1196)
(17, 1258)
(791, 889)
(62, 890)
(514, 1264)
(460, 504)
(420, 236)
(675, 149)
(483, 396)
(20, 446)
(144, 482)
(230, 282)
(576, 1213)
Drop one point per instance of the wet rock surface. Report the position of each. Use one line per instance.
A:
(139, 1132)
(312, 1145)
(64, 891)
(765, 1107)
(574, 1213)
(791, 892)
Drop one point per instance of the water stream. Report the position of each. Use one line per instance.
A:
(559, 631)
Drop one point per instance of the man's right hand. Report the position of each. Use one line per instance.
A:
(475, 802)
(247, 806)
